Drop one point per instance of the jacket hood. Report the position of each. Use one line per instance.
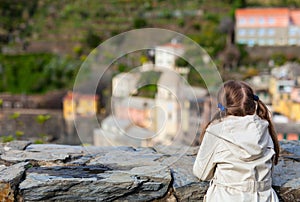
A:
(246, 137)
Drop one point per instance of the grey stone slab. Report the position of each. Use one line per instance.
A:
(12, 173)
(286, 179)
(290, 149)
(14, 145)
(18, 144)
(55, 148)
(20, 156)
(10, 178)
(155, 183)
(124, 160)
(76, 173)
(66, 184)
(185, 185)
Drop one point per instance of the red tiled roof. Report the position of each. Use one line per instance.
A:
(262, 11)
(172, 45)
(295, 17)
(263, 17)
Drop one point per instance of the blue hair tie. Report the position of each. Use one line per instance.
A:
(221, 107)
(255, 97)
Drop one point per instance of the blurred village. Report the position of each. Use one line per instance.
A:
(171, 110)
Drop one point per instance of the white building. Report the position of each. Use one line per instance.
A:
(124, 84)
(164, 119)
(166, 55)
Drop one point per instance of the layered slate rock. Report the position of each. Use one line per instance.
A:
(286, 176)
(30, 172)
(180, 159)
(10, 178)
(120, 174)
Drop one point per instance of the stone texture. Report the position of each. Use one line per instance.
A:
(290, 149)
(75, 173)
(93, 183)
(10, 178)
(122, 160)
(14, 145)
(15, 156)
(186, 186)
(286, 176)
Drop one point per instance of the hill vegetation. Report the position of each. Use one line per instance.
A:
(43, 42)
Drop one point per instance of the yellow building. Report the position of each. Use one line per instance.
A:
(280, 91)
(284, 87)
(295, 104)
(295, 111)
(272, 86)
(75, 104)
(285, 98)
(281, 103)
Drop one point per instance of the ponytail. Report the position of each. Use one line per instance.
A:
(263, 112)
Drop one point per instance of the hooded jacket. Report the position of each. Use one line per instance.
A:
(236, 155)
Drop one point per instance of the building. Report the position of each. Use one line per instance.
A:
(284, 88)
(124, 84)
(166, 55)
(171, 115)
(267, 26)
(295, 101)
(170, 100)
(138, 110)
(79, 105)
(294, 28)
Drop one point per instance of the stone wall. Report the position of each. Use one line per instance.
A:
(31, 172)
(53, 129)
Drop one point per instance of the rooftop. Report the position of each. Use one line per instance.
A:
(267, 17)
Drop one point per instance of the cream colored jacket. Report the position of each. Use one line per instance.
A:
(236, 155)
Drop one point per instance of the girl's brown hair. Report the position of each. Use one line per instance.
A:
(238, 99)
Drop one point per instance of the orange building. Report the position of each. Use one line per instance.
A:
(267, 26)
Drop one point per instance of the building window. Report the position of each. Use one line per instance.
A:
(271, 32)
(251, 20)
(293, 31)
(251, 42)
(270, 42)
(271, 21)
(251, 32)
(261, 32)
(242, 32)
(261, 42)
(261, 21)
(242, 21)
(292, 41)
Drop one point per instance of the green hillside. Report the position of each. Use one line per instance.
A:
(65, 31)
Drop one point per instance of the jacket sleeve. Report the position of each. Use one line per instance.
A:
(204, 166)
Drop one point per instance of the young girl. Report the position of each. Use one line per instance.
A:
(239, 148)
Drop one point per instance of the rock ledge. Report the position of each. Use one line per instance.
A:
(30, 172)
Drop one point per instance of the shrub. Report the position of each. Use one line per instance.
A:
(92, 39)
(139, 23)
